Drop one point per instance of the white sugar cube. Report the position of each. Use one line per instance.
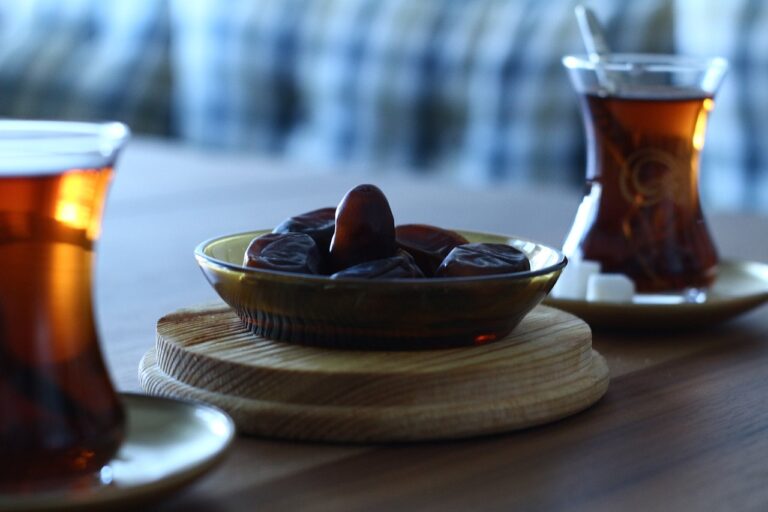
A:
(610, 288)
(572, 283)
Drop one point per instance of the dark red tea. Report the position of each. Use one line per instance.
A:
(641, 214)
(59, 414)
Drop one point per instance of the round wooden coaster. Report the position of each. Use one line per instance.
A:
(543, 371)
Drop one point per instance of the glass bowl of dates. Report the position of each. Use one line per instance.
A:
(348, 277)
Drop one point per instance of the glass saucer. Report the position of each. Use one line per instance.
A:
(740, 286)
(169, 443)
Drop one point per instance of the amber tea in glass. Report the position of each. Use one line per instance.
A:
(60, 419)
(645, 118)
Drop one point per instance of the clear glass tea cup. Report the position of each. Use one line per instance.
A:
(60, 418)
(645, 117)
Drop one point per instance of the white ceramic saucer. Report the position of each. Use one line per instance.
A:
(168, 444)
(740, 286)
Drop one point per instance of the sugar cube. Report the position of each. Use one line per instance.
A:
(610, 288)
(572, 283)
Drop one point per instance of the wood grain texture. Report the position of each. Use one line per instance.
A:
(545, 370)
(682, 427)
(679, 445)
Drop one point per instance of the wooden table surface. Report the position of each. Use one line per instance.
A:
(684, 425)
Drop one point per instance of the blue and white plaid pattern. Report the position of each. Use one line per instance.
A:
(735, 158)
(473, 89)
(86, 60)
(235, 71)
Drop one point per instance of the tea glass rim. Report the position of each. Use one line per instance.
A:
(30, 147)
(644, 62)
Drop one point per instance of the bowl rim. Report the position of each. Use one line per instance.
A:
(201, 256)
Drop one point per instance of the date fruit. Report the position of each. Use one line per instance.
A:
(482, 259)
(429, 245)
(401, 265)
(358, 239)
(365, 228)
(318, 224)
(287, 252)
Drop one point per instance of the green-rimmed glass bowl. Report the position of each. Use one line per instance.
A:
(382, 313)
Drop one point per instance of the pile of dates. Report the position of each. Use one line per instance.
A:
(359, 239)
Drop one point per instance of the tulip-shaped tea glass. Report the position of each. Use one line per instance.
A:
(645, 117)
(60, 419)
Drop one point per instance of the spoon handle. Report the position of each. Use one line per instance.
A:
(591, 32)
(594, 41)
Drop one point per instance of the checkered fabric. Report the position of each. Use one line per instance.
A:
(86, 60)
(471, 89)
(235, 66)
(735, 158)
(474, 88)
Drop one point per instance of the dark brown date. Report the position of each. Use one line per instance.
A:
(365, 228)
(429, 245)
(288, 252)
(318, 224)
(482, 259)
(400, 266)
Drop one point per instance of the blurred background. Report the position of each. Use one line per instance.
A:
(465, 90)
